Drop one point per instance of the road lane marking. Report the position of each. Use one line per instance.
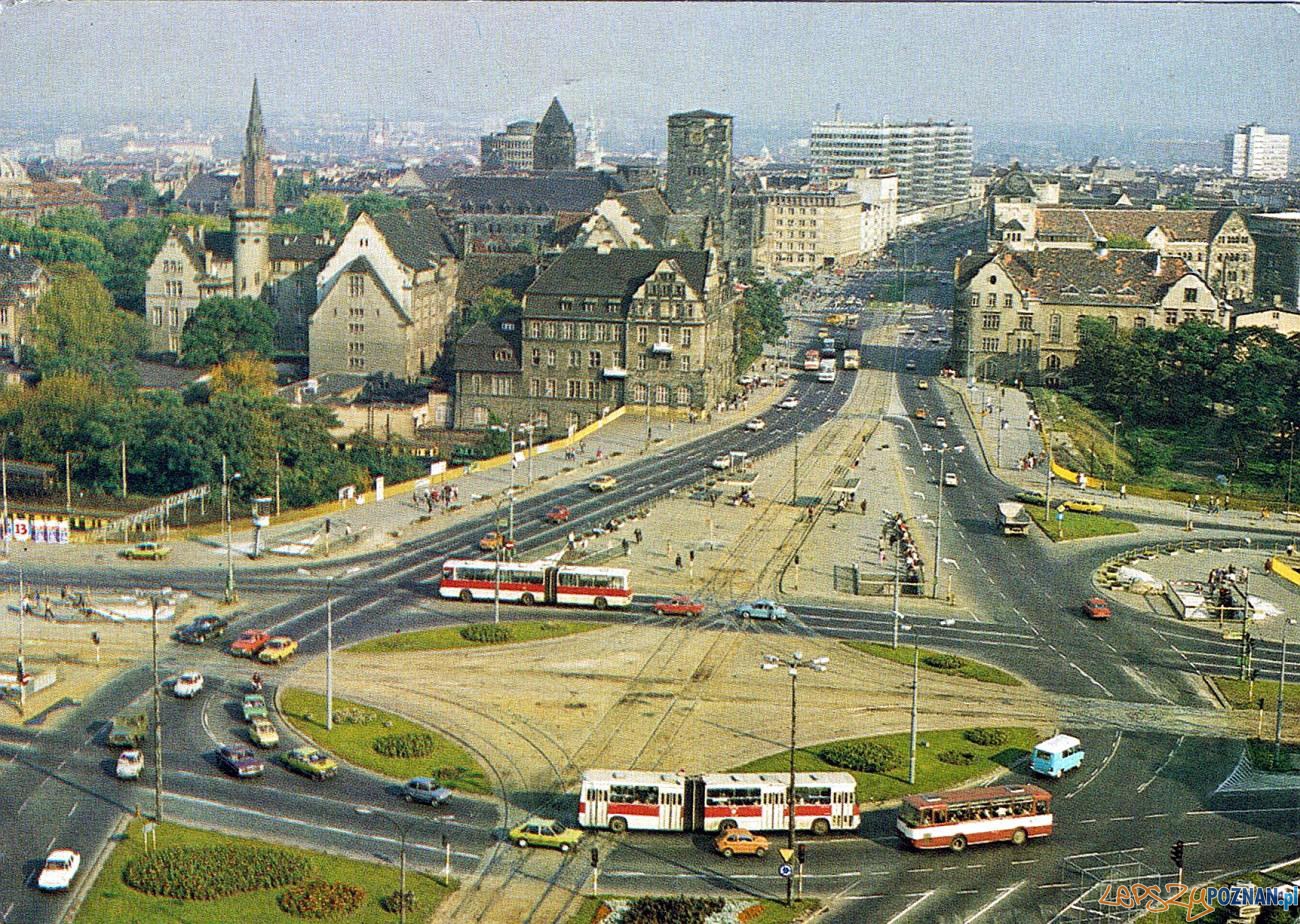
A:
(1238, 811)
(1177, 745)
(1114, 747)
(1091, 679)
(1003, 894)
(51, 843)
(1245, 837)
(1156, 814)
(73, 809)
(1088, 821)
(902, 914)
(1124, 818)
(1022, 862)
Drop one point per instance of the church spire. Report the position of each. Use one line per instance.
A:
(255, 135)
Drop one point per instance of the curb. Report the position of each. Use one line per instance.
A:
(91, 875)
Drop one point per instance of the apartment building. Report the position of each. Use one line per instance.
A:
(933, 159)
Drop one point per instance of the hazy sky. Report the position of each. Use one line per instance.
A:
(1206, 66)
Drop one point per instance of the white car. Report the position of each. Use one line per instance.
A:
(789, 403)
(130, 764)
(758, 423)
(59, 870)
(188, 685)
(941, 423)
(950, 479)
(722, 462)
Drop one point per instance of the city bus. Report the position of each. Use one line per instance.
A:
(979, 815)
(619, 800)
(826, 372)
(534, 582)
(812, 360)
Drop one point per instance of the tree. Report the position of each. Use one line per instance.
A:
(93, 181)
(290, 187)
(243, 371)
(1127, 242)
(319, 213)
(222, 327)
(374, 203)
(78, 330)
(490, 304)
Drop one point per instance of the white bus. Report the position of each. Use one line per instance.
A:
(827, 371)
(534, 582)
(636, 799)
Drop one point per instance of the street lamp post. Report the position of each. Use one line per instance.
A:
(226, 479)
(402, 831)
(1281, 689)
(329, 655)
(157, 715)
(22, 660)
(792, 664)
(1289, 469)
(4, 486)
(916, 699)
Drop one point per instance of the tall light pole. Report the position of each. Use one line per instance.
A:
(938, 521)
(1114, 447)
(329, 654)
(1281, 689)
(157, 715)
(226, 479)
(1290, 468)
(496, 582)
(402, 832)
(22, 660)
(916, 700)
(792, 664)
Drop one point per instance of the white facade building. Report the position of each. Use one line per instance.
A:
(933, 159)
(1256, 154)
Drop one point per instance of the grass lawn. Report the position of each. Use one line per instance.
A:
(931, 773)
(111, 901)
(353, 740)
(774, 912)
(450, 637)
(1238, 693)
(1077, 525)
(1279, 877)
(975, 670)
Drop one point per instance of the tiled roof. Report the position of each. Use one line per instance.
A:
(528, 195)
(1084, 277)
(476, 351)
(650, 210)
(418, 238)
(16, 271)
(478, 271)
(555, 120)
(362, 264)
(1179, 225)
(698, 114)
(617, 274)
(207, 189)
(302, 247)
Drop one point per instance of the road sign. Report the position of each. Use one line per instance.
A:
(1060, 516)
(787, 854)
(786, 870)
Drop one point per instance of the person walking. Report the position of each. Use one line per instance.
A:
(679, 561)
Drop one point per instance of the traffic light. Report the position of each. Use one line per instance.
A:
(1176, 853)
(94, 638)
(803, 854)
(595, 857)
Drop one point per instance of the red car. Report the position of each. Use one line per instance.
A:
(249, 643)
(1096, 608)
(680, 605)
(558, 514)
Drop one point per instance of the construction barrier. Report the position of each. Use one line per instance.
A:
(1283, 570)
(1069, 477)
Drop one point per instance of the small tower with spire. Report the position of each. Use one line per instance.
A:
(554, 142)
(252, 205)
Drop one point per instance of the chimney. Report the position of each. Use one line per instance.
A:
(1099, 248)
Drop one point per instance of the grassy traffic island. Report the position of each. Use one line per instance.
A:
(660, 909)
(944, 759)
(1077, 525)
(939, 662)
(475, 635)
(200, 877)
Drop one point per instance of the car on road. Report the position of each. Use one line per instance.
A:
(745, 380)
(495, 540)
(789, 403)
(950, 479)
(128, 729)
(762, 609)
(910, 365)
(679, 605)
(722, 462)
(202, 629)
(941, 423)
(254, 707)
(1056, 756)
(754, 424)
(426, 791)
(1081, 506)
(147, 551)
(558, 514)
(921, 413)
(1096, 608)
(242, 761)
(545, 832)
(188, 685)
(923, 384)
(936, 340)
(262, 733)
(277, 650)
(249, 643)
(311, 762)
(739, 842)
(59, 870)
(602, 484)
(129, 765)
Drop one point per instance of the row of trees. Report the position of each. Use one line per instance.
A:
(759, 319)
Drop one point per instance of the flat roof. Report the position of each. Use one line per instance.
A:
(776, 779)
(634, 777)
(1057, 743)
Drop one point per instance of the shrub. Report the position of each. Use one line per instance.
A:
(956, 758)
(671, 910)
(354, 716)
(987, 737)
(410, 744)
(205, 873)
(487, 633)
(320, 899)
(392, 902)
(943, 662)
(863, 756)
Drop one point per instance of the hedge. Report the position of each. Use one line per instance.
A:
(988, 737)
(392, 903)
(671, 910)
(320, 899)
(205, 873)
(863, 756)
(943, 662)
(488, 633)
(408, 745)
(956, 758)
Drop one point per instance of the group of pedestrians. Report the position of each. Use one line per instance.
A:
(444, 495)
(899, 537)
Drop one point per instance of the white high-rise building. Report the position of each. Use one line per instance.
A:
(933, 159)
(1256, 154)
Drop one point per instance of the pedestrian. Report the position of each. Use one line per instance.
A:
(637, 532)
(679, 561)
(1123, 492)
(692, 556)
(626, 545)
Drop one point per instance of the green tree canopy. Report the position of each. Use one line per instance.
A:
(222, 327)
(490, 304)
(319, 213)
(78, 330)
(374, 203)
(1127, 242)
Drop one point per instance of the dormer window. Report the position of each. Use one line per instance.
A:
(503, 356)
(1097, 290)
(1127, 290)
(1069, 290)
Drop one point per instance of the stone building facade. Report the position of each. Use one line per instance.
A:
(22, 283)
(808, 230)
(1017, 314)
(700, 170)
(542, 147)
(1277, 261)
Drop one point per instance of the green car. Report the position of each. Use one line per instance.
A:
(147, 551)
(311, 762)
(545, 832)
(254, 707)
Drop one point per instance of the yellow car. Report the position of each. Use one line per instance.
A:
(603, 484)
(263, 734)
(277, 650)
(1079, 506)
(147, 551)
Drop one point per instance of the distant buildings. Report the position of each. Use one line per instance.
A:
(26, 200)
(1256, 154)
(503, 213)
(1277, 259)
(933, 159)
(544, 147)
(808, 229)
(510, 150)
(67, 147)
(22, 283)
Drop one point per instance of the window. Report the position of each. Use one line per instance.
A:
(575, 359)
(357, 329)
(550, 390)
(1098, 291)
(686, 363)
(639, 393)
(356, 285)
(571, 420)
(479, 416)
(1171, 317)
(574, 387)
(1054, 329)
(174, 316)
(1189, 295)
(989, 344)
(694, 171)
(642, 363)
(504, 356)
(356, 362)
(550, 358)
(641, 334)
(683, 396)
(593, 359)
(991, 300)
(686, 336)
(1139, 322)
(476, 384)
(566, 331)
(1006, 300)
(1026, 322)
(993, 280)
(537, 356)
(1069, 290)
(589, 306)
(1113, 321)
(534, 388)
(661, 394)
(582, 330)
(665, 334)
(535, 330)
(549, 328)
(992, 321)
(611, 307)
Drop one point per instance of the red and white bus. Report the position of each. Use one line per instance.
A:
(636, 799)
(812, 360)
(980, 815)
(535, 582)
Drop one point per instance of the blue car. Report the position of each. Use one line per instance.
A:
(1056, 756)
(762, 609)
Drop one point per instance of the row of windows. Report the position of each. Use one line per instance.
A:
(500, 385)
(641, 394)
(569, 330)
(480, 415)
(173, 288)
(590, 305)
(173, 266)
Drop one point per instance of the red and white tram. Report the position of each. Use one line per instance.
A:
(623, 799)
(979, 815)
(535, 582)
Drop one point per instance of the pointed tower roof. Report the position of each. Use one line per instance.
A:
(255, 134)
(555, 119)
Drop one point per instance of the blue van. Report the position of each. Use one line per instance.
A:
(1056, 756)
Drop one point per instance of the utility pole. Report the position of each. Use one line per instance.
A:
(1281, 689)
(514, 464)
(230, 595)
(329, 655)
(794, 497)
(4, 482)
(916, 694)
(938, 522)
(157, 717)
(67, 481)
(22, 660)
(277, 482)
(123, 446)
(897, 615)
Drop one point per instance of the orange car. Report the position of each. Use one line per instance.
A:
(249, 643)
(922, 413)
(679, 605)
(740, 842)
(1096, 608)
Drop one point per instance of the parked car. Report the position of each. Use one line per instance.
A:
(722, 462)
(147, 551)
(495, 540)
(254, 707)
(936, 340)
(242, 761)
(950, 479)
(1096, 608)
(679, 605)
(59, 870)
(762, 609)
(754, 424)
(311, 762)
(558, 514)
(188, 685)
(789, 404)
(202, 629)
(603, 483)
(545, 832)
(941, 423)
(426, 791)
(129, 765)
(277, 650)
(262, 733)
(1081, 506)
(1032, 497)
(739, 842)
(249, 643)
